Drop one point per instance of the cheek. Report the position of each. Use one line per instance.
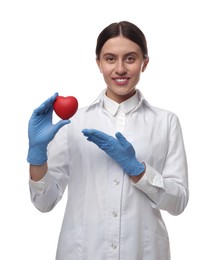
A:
(106, 73)
(136, 68)
(106, 70)
(136, 75)
(136, 72)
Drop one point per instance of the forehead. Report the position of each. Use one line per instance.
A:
(120, 45)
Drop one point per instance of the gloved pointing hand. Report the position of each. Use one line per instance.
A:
(118, 149)
(41, 131)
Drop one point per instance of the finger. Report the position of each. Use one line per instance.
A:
(100, 143)
(93, 138)
(61, 123)
(86, 132)
(122, 139)
(96, 133)
(90, 134)
(120, 136)
(46, 105)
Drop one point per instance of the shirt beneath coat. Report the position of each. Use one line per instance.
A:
(108, 216)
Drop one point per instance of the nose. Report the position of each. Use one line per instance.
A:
(120, 67)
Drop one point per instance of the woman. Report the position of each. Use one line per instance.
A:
(115, 193)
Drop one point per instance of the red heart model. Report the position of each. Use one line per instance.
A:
(65, 107)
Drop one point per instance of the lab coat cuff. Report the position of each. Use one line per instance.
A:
(151, 181)
(40, 186)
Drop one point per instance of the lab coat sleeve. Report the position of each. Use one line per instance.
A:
(47, 192)
(168, 190)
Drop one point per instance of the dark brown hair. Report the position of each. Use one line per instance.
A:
(125, 28)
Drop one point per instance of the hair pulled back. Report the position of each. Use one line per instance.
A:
(125, 28)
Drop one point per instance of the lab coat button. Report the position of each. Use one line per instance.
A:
(116, 182)
(113, 246)
(115, 214)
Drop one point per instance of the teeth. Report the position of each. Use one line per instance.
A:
(120, 80)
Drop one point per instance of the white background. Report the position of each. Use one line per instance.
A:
(48, 46)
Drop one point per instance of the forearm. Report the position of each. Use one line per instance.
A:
(169, 194)
(48, 181)
(37, 172)
(44, 188)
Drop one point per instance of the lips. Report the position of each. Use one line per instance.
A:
(121, 80)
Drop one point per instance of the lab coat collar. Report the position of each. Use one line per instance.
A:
(130, 104)
(125, 107)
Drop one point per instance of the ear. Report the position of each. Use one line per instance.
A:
(99, 65)
(145, 63)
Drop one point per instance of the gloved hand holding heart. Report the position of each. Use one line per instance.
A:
(65, 107)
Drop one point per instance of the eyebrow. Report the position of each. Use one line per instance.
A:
(127, 54)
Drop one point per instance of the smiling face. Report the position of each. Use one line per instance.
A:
(121, 61)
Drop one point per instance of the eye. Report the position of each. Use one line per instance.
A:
(130, 59)
(110, 59)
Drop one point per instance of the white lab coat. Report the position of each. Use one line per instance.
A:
(108, 216)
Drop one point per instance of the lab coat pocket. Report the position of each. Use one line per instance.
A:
(156, 247)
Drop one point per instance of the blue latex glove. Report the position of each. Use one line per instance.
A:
(41, 131)
(118, 149)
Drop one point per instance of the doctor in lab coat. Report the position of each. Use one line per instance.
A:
(121, 159)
